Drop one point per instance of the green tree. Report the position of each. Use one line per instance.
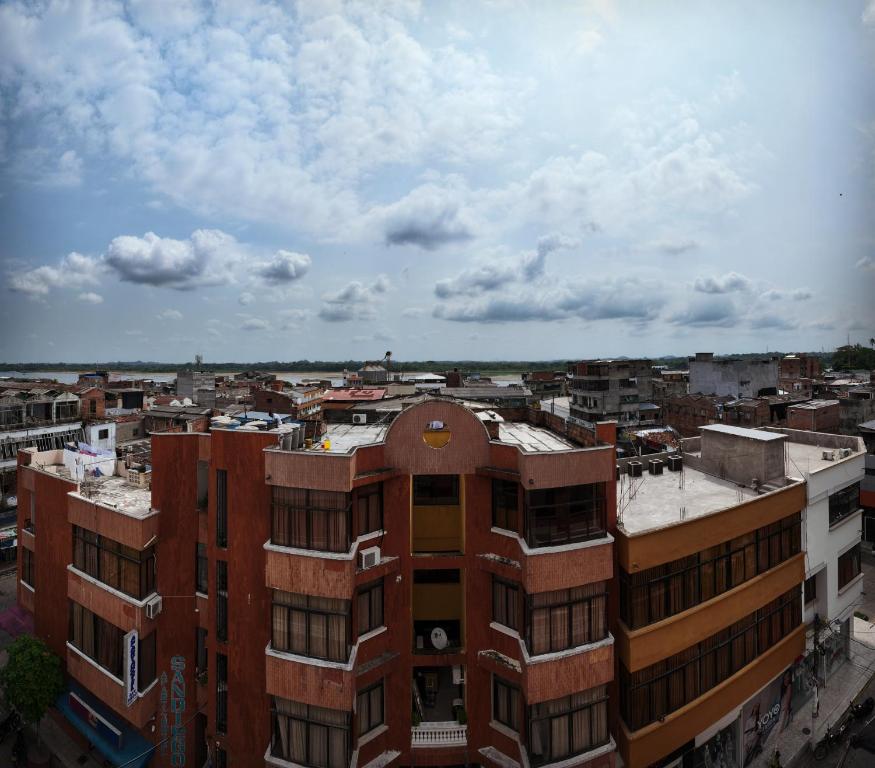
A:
(32, 678)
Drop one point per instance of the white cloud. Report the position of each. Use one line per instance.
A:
(72, 271)
(354, 301)
(728, 283)
(867, 264)
(253, 324)
(207, 258)
(246, 298)
(169, 314)
(286, 267)
(869, 14)
(90, 297)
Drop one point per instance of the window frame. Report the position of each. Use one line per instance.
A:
(310, 613)
(365, 700)
(113, 554)
(600, 699)
(423, 499)
(505, 594)
(114, 653)
(554, 610)
(847, 573)
(370, 590)
(312, 725)
(222, 508)
(286, 528)
(28, 560)
(501, 513)
(222, 601)
(373, 517)
(844, 503)
(504, 689)
(202, 569)
(550, 523)
(221, 693)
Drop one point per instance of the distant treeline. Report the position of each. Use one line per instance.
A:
(845, 357)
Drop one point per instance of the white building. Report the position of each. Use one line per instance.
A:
(101, 435)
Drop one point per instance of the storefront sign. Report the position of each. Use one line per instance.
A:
(132, 660)
(177, 707)
(765, 716)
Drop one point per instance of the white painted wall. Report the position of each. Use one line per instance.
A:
(92, 435)
(824, 545)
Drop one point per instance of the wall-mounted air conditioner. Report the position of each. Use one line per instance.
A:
(829, 456)
(369, 557)
(153, 607)
(360, 418)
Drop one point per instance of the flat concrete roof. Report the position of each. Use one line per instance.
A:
(655, 501)
(803, 458)
(343, 438)
(750, 434)
(117, 492)
(530, 438)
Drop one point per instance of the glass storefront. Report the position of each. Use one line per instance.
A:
(720, 751)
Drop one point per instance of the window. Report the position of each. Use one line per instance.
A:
(566, 618)
(27, 559)
(665, 590)
(664, 687)
(568, 726)
(221, 508)
(368, 503)
(369, 708)
(565, 515)
(99, 640)
(221, 693)
(311, 626)
(843, 503)
(505, 703)
(147, 667)
(203, 484)
(849, 566)
(201, 661)
(123, 568)
(435, 490)
(506, 603)
(103, 434)
(201, 570)
(30, 523)
(310, 519)
(222, 601)
(92, 406)
(505, 505)
(308, 735)
(810, 589)
(369, 607)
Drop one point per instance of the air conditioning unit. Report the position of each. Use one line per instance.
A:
(829, 455)
(846, 452)
(369, 557)
(458, 674)
(360, 418)
(153, 607)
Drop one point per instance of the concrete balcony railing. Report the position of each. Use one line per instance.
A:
(449, 734)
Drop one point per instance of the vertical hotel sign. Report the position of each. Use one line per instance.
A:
(132, 659)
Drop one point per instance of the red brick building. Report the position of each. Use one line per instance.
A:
(686, 413)
(429, 592)
(815, 416)
(298, 402)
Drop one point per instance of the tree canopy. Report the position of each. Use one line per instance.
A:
(32, 678)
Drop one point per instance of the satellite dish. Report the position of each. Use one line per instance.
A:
(439, 638)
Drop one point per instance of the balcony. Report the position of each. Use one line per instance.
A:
(437, 529)
(449, 734)
(438, 626)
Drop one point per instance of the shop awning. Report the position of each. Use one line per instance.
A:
(117, 741)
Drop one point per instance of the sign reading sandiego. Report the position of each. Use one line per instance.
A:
(132, 658)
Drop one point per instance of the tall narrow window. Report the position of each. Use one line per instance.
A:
(505, 703)
(310, 625)
(201, 570)
(27, 558)
(369, 708)
(147, 669)
(810, 589)
(849, 566)
(506, 603)
(368, 503)
(310, 735)
(222, 601)
(369, 607)
(221, 508)
(505, 505)
(201, 650)
(221, 693)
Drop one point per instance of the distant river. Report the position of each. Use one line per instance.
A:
(71, 377)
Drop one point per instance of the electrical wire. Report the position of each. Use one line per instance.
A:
(152, 749)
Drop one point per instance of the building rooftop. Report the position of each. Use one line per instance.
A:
(812, 405)
(343, 438)
(655, 501)
(116, 492)
(750, 434)
(352, 395)
(530, 438)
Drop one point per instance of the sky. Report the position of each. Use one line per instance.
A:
(449, 180)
